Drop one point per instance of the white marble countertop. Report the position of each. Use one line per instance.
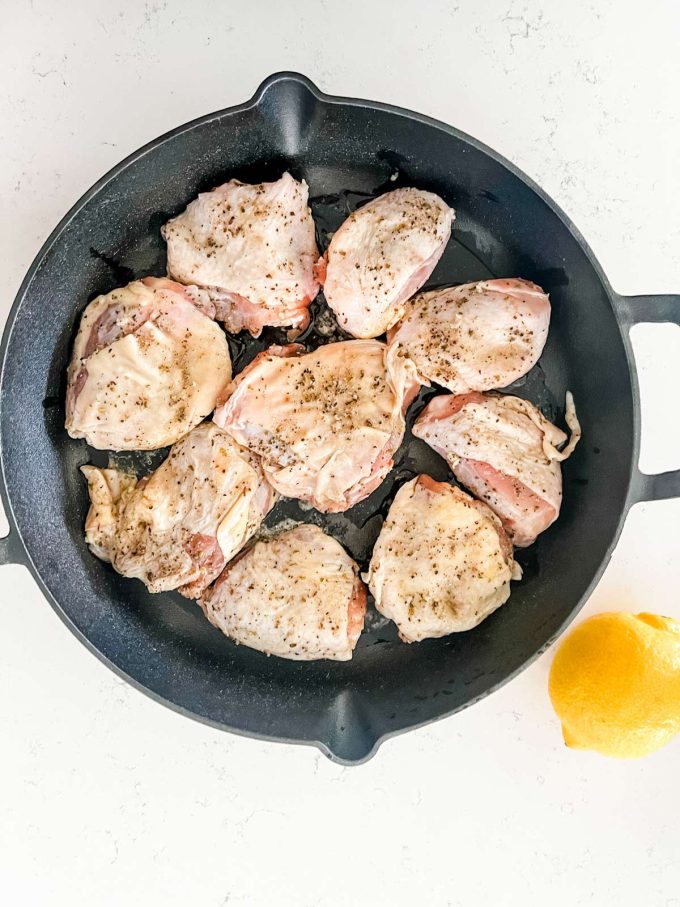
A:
(108, 798)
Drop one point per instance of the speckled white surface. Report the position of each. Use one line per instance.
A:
(109, 799)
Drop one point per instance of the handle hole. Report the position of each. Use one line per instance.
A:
(657, 357)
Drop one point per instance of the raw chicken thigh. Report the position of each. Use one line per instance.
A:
(442, 562)
(325, 423)
(296, 595)
(382, 254)
(477, 336)
(178, 527)
(148, 365)
(253, 247)
(506, 452)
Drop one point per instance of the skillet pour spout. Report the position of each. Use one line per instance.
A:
(348, 151)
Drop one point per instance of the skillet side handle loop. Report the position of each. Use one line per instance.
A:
(664, 308)
(659, 487)
(631, 310)
(9, 553)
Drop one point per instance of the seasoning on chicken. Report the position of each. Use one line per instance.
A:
(477, 336)
(253, 248)
(506, 452)
(178, 527)
(325, 423)
(442, 562)
(148, 364)
(382, 254)
(296, 595)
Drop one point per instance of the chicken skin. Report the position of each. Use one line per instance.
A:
(506, 452)
(253, 248)
(296, 595)
(148, 364)
(477, 336)
(325, 423)
(177, 528)
(382, 254)
(442, 562)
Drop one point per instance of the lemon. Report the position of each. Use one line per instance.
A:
(615, 683)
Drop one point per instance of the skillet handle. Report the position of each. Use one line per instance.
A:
(633, 310)
(10, 549)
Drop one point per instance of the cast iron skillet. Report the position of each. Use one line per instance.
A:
(347, 150)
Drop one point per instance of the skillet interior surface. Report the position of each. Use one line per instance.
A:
(348, 151)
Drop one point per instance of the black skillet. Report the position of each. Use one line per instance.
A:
(347, 150)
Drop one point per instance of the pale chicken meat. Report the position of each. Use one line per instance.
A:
(253, 248)
(296, 595)
(382, 254)
(506, 452)
(325, 423)
(442, 562)
(477, 336)
(148, 365)
(178, 527)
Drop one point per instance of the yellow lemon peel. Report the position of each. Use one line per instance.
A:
(615, 683)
